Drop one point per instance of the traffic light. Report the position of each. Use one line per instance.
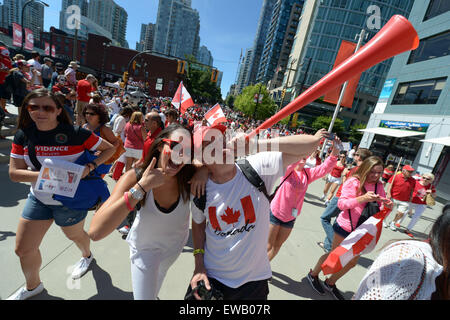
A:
(125, 77)
(283, 93)
(134, 65)
(181, 66)
(214, 75)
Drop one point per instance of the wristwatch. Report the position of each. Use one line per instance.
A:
(136, 194)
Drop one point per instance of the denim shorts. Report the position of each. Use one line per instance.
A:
(63, 216)
(275, 221)
(341, 232)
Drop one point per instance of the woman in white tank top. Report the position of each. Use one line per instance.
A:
(161, 227)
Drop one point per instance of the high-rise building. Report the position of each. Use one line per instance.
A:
(243, 71)
(260, 39)
(111, 17)
(279, 40)
(411, 121)
(322, 27)
(177, 29)
(147, 36)
(86, 25)
(204, 56)
(33, 17)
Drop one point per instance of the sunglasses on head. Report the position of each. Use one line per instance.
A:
(171, 143)
(34, 108)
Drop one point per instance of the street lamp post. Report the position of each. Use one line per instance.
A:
(23, 12)
(105, 45)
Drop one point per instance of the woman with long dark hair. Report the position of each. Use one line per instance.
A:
(412, 269)
(161, 228)
(45, 131)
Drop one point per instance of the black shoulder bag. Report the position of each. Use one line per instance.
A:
(369, 210)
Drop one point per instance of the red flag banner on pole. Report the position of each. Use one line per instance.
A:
(215, 115)
(29, 39)
(47, 49)
(362, 240)
(183, 95)
(17, 35)
(53, 51)
(346, 50)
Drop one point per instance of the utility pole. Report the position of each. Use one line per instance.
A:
(286, 83)
(301, 86)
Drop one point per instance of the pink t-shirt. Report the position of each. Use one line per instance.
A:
(287, 203)
(133, 136)
(347, 201)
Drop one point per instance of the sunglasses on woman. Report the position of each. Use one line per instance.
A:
(34, 108)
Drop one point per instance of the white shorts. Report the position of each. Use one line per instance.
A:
(402, 206)
(332, 179)
(133, 153)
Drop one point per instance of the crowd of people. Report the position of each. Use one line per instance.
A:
(238, 225)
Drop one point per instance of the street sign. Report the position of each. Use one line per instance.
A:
(159, 87)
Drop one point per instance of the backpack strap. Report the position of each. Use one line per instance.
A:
(253, 177)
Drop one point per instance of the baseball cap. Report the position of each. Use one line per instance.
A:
(200, 133)
(4, 51)
(408, 168)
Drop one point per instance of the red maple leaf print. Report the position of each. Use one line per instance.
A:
(230, 217)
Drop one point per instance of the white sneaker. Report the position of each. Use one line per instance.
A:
(392, 226)
(81, 267)
(23, 293)
(124, 230)
(385, 224)
(327, 201)
(322, 198)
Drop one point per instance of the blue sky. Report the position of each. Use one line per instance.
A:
(226, 27)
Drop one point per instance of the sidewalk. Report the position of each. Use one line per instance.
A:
(109, 276)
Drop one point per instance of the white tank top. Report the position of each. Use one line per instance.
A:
(154, 229)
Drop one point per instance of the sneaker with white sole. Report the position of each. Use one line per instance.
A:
(23, 293)
(124, 230)
(82, 267)
(334, 291)
(392, 226)
(315, 283)
(385, 224)
(322, 198)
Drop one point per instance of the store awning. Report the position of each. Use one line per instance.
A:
(397, 133)
(443, 140)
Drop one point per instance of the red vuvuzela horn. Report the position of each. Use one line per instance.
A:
(397, 36)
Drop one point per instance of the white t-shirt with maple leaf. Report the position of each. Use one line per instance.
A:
(237, 226)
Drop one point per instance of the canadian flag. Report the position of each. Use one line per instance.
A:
(183, 95)
(29, 39)
(362, 240)
(47, 49)
(17, 35)
(215, 115)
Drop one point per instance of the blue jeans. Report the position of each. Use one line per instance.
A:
(331, 211)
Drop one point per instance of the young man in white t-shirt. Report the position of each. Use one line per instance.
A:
(230, 235)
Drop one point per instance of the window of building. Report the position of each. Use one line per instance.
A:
(419, 92)
(436, 7)
(431, 47)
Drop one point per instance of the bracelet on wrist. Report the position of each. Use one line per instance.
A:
(127, 201)
(198, 251)
(139, 185)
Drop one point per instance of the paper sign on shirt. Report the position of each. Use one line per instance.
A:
(59, 177)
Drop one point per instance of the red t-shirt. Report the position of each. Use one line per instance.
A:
(420, 192)
(348, 175)
(387, 174)
(148, 142)
(401, 188)
(4, 62)
(337, 171)
(83, 89)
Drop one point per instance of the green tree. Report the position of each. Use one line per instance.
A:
(229, 101)
(355, 135)
(245, 102)
(324, 122)
(198, 83)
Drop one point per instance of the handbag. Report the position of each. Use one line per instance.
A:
(370, 209)
(430, 200)
(91, 191)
